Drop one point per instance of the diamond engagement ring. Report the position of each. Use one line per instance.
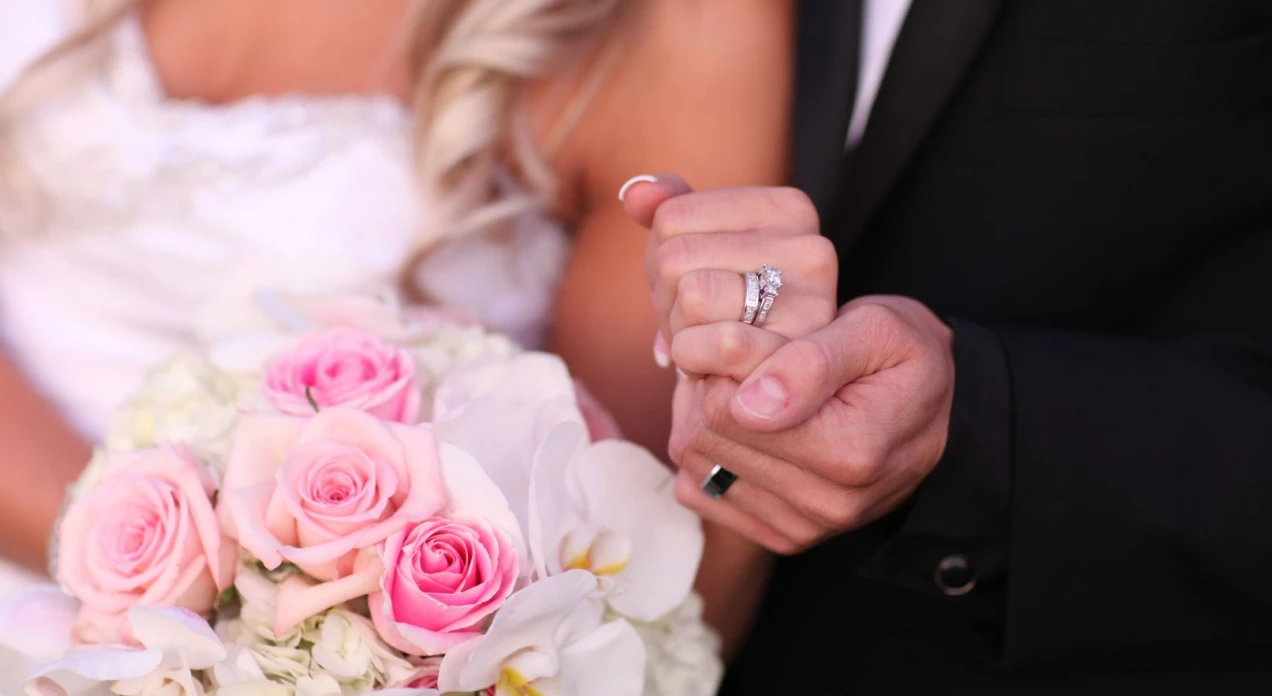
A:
(770, 282)
(717, 483)
(753, 293)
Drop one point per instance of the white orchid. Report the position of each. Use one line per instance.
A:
(550, 639)
(175, 644)
(608, 508)
(500, 411)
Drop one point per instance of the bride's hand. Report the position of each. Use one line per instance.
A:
(701, 245)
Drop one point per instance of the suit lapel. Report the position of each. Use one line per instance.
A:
(825, 88)
(937, 43)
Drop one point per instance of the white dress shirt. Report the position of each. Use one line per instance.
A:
(881, 23)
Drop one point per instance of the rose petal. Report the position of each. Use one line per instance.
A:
(299, 599)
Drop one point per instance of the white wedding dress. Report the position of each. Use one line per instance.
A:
(132, 225)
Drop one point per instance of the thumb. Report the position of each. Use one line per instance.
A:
(800, 377)
(641, 195)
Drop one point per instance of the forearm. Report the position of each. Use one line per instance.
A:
(42, 455)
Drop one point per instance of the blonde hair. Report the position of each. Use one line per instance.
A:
(471, 63)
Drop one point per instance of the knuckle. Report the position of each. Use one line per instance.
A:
(815, 362)
(806, 535)
(716, 414)
(866, 462)
(685, 495)
(883, 324)
(797, 208)
(678, 443)
(696, 293)
(672, 258)
(694, 440)
(733, 343)
(820, 257)
(832, 510)
(672, 217)
(782, 546)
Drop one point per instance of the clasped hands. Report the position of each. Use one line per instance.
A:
(829, 416)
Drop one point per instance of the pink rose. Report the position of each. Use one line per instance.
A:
(425, 676)
(344, 367)
(442, 578)
(426, 671)
(146, 534)
(314, 491)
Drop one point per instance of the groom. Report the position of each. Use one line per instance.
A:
(1032, 452)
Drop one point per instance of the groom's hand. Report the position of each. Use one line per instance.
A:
(826, 432)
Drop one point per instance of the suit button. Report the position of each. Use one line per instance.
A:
(954, 575)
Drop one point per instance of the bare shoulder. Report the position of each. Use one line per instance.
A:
(700, 87)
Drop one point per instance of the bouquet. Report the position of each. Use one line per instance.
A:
(363, 497)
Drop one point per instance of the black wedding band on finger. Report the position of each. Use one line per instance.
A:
(761, 292)
(717, 482)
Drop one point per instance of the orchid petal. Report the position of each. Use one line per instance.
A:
(184, 638)
(610, 660)
(531, 620)
(550, 517)
(628, 492)
(38, 621)
(525, 396)
(79, 669)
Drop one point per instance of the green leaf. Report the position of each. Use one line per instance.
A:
(227, 597)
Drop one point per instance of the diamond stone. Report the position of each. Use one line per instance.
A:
(770, 278)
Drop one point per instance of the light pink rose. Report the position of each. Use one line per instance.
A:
(145, 535)
(344, 367)
(314, 491)
(425, 676)
(442, 579)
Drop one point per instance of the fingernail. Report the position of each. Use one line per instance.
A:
(647, 178)
(763, 398)
(661, 352)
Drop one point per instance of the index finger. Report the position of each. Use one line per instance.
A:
(777, 210)
(642, 195)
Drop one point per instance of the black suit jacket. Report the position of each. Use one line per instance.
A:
(1084, 189)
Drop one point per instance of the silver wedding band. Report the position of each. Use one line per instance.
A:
(761, 292)
(751, 305)
(717, 483)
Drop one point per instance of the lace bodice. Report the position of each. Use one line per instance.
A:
(132, 225)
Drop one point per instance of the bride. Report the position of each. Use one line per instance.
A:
(161, 160)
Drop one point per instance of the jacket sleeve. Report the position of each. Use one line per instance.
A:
(1110, 492)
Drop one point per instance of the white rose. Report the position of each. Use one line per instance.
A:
(682, 653)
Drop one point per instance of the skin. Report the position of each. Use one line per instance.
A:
(829, 419)
(693, 80)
